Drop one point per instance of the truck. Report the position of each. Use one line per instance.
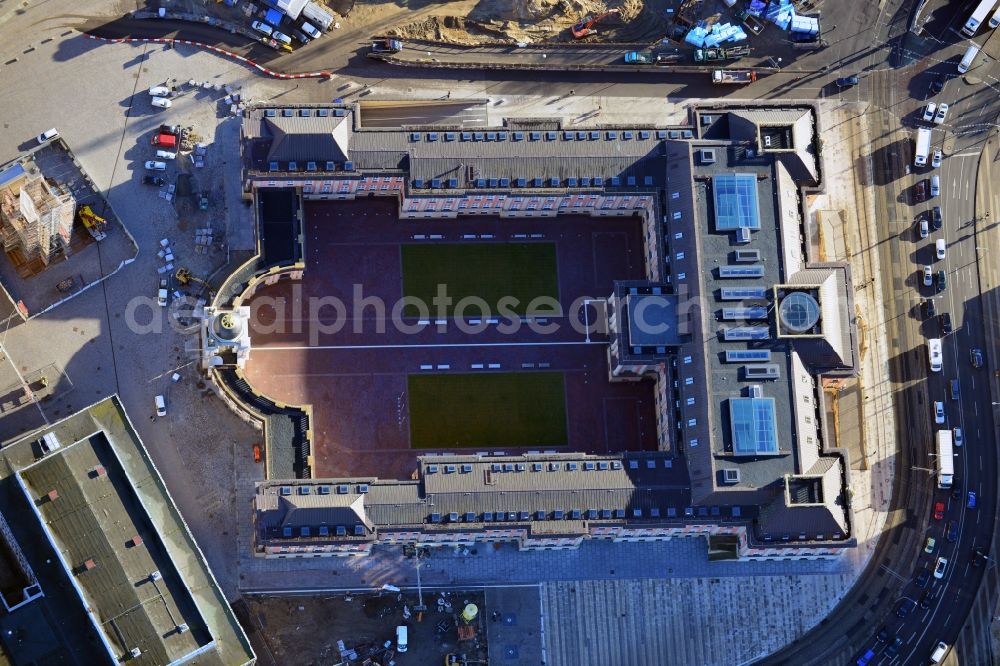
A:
(734, 76)
(732, 53)
(977, 17)
(648, 58)
(923, 147)
(383, 46)
(945, 459)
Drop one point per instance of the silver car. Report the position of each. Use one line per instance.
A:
(156, 166)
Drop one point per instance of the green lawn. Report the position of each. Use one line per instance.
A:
(487, 270)
(487, 410)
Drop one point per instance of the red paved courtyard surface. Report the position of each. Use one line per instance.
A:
(355, 378)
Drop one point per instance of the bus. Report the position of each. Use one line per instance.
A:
(945, 459)
(977, 18)
(934, 354)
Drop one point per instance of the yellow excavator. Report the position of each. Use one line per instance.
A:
(184, 277)
(94, 223)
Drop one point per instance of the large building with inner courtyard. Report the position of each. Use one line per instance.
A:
(538, 334)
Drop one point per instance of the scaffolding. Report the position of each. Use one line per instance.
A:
(36, 221)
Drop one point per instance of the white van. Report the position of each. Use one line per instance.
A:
(161, 102)
(940, 247)
(970, 55)
(995, 19)
(47, 135)
(165, 155)
(934, 354)
(939, 652)
(159, 91)
(161, 405)
(401, 632)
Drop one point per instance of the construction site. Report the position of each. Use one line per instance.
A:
(364, 629)
(645, 23)
(50, 217)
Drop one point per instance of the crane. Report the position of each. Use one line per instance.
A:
(586, 26)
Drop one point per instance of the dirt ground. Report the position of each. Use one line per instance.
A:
(640, 22)
(306, 630)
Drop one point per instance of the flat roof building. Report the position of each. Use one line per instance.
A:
(733, 326)
(131, 562)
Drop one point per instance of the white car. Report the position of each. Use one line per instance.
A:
(161, 405)
(928, 276)
(161, 297)
(156, 166)
(959, 439)
(162, 102)
(935, 185)
(924, 229)
(166, 155)
(159, 91)
(940, 567)
(942, 112)
(310, 30)
(47, 135)
(282, 37)
(929, 111)
(936, 160)
(940, 247)
(260, 26)
(995, 19)
(938, 412)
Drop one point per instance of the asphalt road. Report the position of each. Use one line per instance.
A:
(898, 97)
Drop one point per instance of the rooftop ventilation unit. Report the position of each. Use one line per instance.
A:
(730, 476)
(183, 628)
(156, 575)
(135, 653)
(707, 156)
(742, 235)
(747, 256)
(755, 391)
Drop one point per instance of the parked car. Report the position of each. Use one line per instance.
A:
(260, 26)
(940, 567)
(938, 412)
(971, 499)
(929, 111)
(282, 37)
(47, 135)
(951, 532)
(942, 112)
(159, 91)
(976, 357)
(928, 276)
(936, 159)
(945, 319)
(301, 36)
(929, 308)
(920, 192)
(938, 510)
(922, 578)
(161, 405)
(924, 228)
(958, 437)
(905, 606)
(936, 220)
(161, 102)
(867, 657)
(155, 181)
(929, 545)
(155, 166)
(935, 185)
(942, 281)
(310, 30)
(847, 81)
(937, 85)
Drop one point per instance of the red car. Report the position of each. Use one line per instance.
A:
(939, 511)
(921, 191)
